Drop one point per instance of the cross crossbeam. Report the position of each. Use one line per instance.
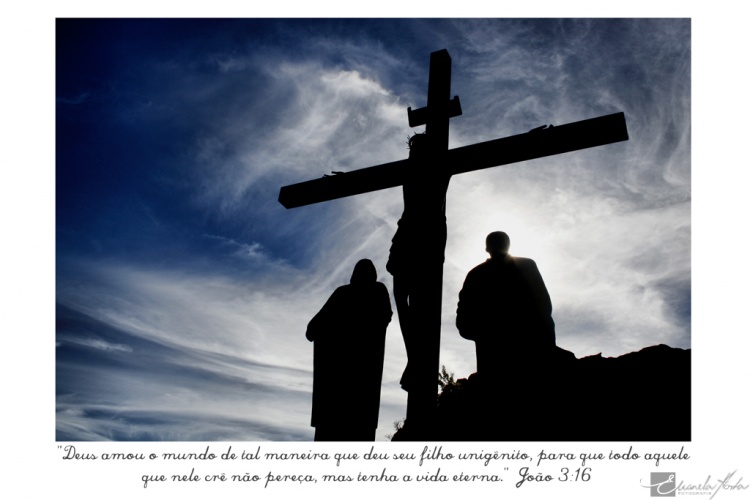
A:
(538, 143)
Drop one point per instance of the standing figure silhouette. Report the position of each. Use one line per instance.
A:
(349, 346)
(504, 307)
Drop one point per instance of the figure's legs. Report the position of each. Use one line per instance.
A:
(418, 293)
(401, 291)
(401, 297)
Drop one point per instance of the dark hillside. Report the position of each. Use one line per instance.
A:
(639, 396)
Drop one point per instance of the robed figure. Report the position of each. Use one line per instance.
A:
(504, 307)
(349, 346)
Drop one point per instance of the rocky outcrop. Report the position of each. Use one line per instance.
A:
(640, 396)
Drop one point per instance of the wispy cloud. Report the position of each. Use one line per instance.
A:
(96, 343)
(192, 340)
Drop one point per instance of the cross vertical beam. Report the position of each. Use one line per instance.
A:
(555, 140)
(418, 285)
(440, 107)
(438, 99)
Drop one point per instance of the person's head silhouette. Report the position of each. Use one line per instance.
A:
(364, 272)
(497, 244)
(417, 146)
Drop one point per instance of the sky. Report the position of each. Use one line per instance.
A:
(183, 288)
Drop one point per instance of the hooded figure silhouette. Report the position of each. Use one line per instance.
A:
(349, 346)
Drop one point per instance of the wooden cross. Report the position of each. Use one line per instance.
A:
(538, 143)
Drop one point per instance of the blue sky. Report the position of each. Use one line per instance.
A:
(183, 287)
